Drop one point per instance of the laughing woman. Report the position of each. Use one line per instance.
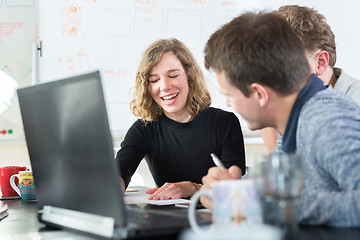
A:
(177, 129)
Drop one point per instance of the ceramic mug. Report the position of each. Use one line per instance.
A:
(235, 203)
(5, 173)
(26, 189)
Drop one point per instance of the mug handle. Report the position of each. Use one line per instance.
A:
(13, 185)
(192, 208)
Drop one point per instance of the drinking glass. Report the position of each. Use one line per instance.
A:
(279, 180)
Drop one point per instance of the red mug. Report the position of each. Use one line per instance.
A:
(5, 173)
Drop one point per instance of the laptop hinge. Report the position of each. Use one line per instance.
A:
(87, 222)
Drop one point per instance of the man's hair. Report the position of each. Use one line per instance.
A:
(142, 103)
(258, 48)
(312, 29)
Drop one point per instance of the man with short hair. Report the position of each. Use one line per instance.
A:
(320, 50)
(260, 66)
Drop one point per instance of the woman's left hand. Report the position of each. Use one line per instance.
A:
(173, 191)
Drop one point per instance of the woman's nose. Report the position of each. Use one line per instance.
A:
(164, 84)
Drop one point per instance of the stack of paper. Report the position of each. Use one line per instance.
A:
(4, 211)
(141, 197)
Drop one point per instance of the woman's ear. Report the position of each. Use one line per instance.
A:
(260, 94)
(322, 62)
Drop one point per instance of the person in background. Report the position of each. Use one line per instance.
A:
(320, 50)
(178, 130)
(260, 65)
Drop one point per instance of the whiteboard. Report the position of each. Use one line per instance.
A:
(83, 35)
(19, 29)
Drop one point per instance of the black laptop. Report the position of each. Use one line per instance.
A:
(72, 157)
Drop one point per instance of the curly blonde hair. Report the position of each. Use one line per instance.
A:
(142, 103)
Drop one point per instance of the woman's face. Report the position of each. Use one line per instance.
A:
(168, 85)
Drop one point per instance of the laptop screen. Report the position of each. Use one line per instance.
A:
(70, 146)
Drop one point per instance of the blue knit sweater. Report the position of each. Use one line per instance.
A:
(328, 136)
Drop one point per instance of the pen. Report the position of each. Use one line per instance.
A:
(217, 162)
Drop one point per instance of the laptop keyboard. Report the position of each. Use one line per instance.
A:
(152, 214)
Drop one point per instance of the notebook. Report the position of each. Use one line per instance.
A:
(72, 157)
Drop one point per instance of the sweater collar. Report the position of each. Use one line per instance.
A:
(311, 88)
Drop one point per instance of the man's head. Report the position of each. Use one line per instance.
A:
(258, 48)
(254, 54)
(316, 35)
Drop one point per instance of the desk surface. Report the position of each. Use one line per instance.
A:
(22, 224)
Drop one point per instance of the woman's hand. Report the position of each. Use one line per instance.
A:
(122, 184)
(173, 191)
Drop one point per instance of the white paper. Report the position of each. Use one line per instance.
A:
(4, 211)
(4, 208)
(142, 198)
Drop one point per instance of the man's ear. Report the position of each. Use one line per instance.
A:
(260, 93)
(322, 62)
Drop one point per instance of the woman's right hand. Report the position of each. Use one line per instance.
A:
(173, 191)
